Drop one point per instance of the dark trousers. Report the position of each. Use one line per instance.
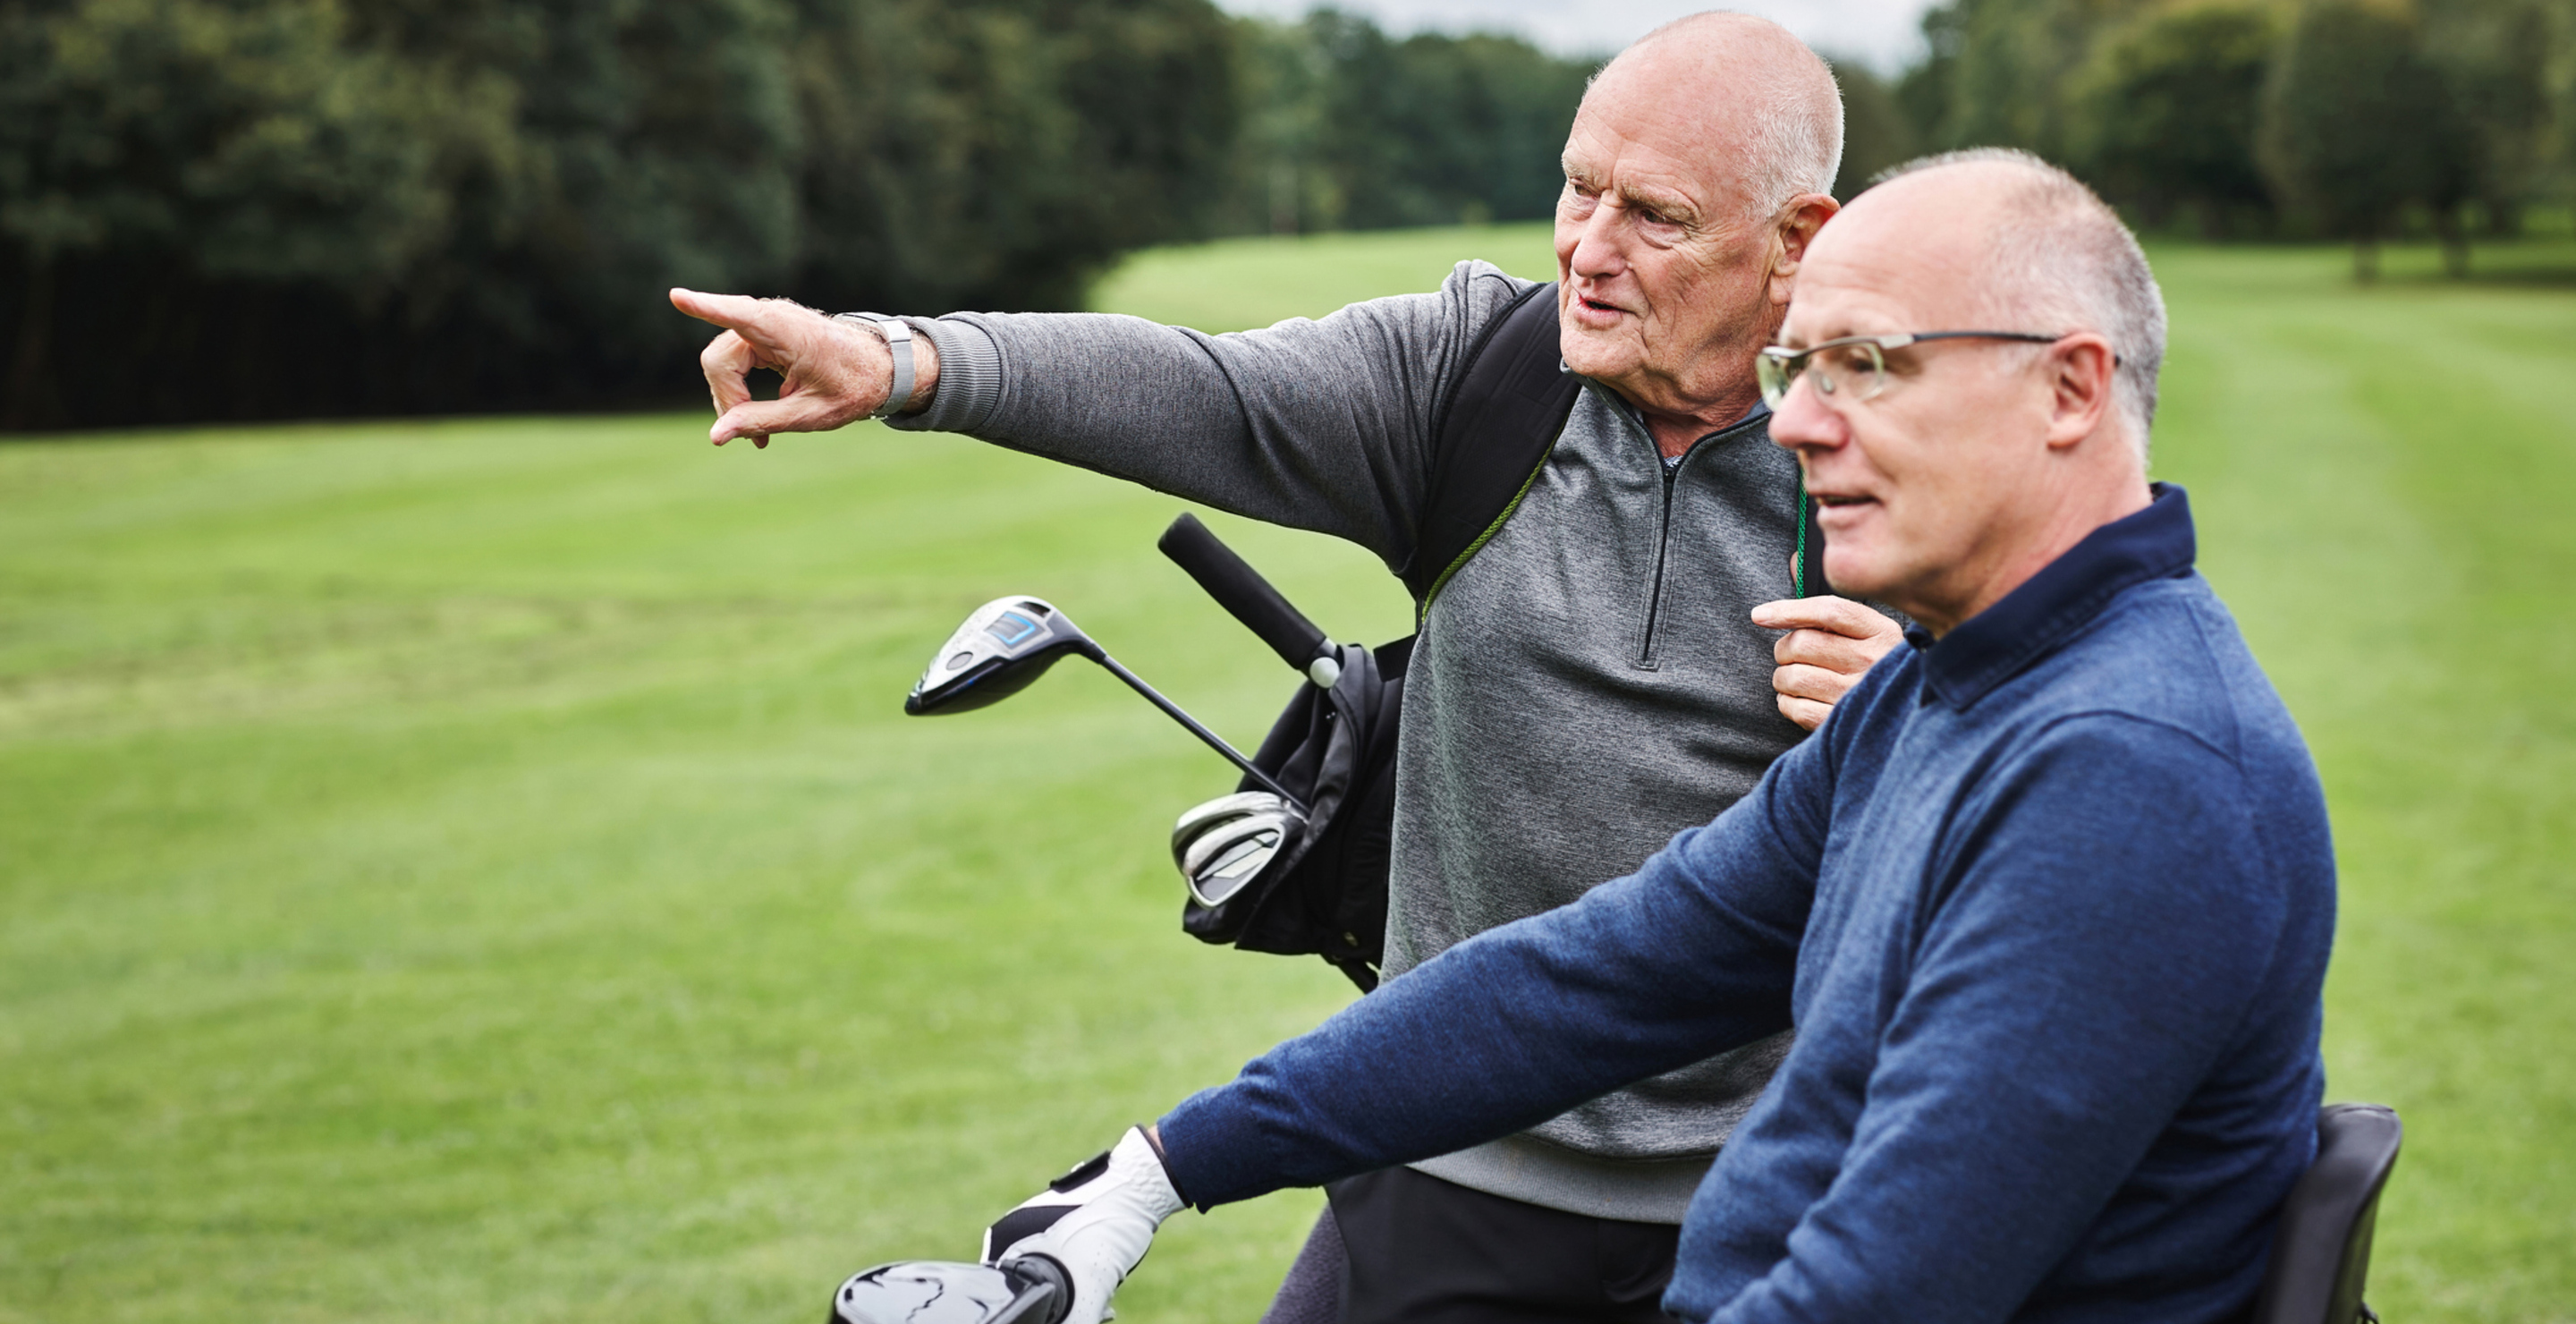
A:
(1417, 1249)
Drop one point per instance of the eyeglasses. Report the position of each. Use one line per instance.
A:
(1855, 367)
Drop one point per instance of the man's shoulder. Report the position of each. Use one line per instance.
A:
(1481, 287)
(2164, 687)
(2167, 651)
(1436, 324)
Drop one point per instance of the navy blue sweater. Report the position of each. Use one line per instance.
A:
(2048, 903)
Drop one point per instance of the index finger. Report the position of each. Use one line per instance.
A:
(1839, 615)
(752, 319)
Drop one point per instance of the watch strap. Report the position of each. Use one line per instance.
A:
(897, 335)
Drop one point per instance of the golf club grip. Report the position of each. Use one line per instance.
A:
(1240, 589)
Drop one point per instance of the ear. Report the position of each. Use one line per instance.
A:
(2082, 369)
(1796, 228)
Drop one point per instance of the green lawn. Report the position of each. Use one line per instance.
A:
(479, 871)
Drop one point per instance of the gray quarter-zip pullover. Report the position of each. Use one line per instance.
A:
(1586, 686)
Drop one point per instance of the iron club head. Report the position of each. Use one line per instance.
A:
(1222, 845)
(1005, 645)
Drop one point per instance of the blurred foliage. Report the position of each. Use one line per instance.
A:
(2356, 119)
(2166, 115)
(254, 208)
(217, 209)
(1349, 128)
(225, 209)
(1879, 130)
(2360, 123)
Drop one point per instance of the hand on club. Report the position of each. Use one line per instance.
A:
(1096, 1222)
(1829, 644)
(835, 373)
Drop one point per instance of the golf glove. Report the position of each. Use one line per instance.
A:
(1096, 1222)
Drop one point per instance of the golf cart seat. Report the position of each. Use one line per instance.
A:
(2321, 1246)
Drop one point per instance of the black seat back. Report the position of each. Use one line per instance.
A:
(2321, 1247)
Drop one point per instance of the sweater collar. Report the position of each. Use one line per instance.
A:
(2066, 595)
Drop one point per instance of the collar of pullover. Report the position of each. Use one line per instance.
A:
(1994, 645)
(1759, 413)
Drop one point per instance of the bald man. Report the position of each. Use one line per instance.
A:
(1615, 663)
(2048, 899)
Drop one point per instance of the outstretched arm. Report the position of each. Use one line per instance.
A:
(1322, 424)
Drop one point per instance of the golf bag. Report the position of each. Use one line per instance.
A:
(1322, 889)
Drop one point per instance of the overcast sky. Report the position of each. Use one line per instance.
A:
(1882, 33)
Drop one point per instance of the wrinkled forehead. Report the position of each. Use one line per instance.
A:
(1896, 259)
(1666, 146)
(1678, 108)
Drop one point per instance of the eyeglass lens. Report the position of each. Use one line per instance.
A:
(1857, 369)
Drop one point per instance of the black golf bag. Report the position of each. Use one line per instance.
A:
(1322, 890)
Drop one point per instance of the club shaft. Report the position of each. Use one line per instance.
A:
(1214, 741)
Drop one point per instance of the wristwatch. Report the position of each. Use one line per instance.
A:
(897, 335)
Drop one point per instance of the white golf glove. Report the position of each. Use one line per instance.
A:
(1096, 1222)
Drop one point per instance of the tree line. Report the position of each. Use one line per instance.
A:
(235, 209)
(2354, 119)
(223, 209)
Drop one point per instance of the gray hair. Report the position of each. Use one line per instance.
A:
(1798, 141)
(2060, 260)
(1795, 108)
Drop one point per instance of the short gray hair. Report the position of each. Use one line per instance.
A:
(1798, 141)
(1796, 110)
(2062, 261)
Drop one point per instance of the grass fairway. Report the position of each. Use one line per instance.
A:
(479, 871)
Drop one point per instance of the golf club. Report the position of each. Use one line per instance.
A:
(1009, 642)
(1031, 1290)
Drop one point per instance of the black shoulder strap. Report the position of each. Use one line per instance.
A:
(1490, 433)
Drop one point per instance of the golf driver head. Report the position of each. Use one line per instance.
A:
(1030, 1290)
(1225, 843)
(1005, 645)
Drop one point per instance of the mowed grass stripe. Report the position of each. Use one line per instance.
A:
(476, 870)
(527, 901)
(2383, 504)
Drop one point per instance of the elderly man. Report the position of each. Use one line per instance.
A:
(1597, 675)
(2048, 899)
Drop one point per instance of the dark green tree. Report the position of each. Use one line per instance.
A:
(1000, 153)
(1361, 130)
(2013, 83)
(1282, 75)
(256, 208)
(1928, 92)
(2358, 123)
(1877, 133)
(1436, 129)
(2495, 55)
(2166, 114)
(177, 139)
